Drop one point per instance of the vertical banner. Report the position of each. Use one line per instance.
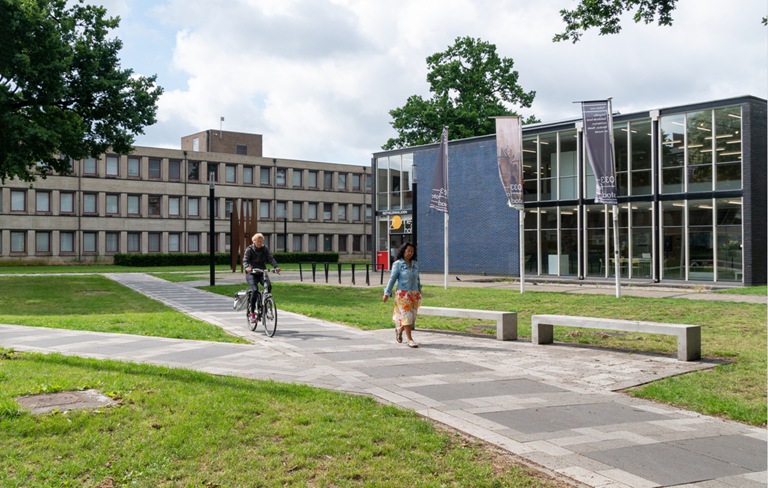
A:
(439, 198)
(598, 139)
(509, 154)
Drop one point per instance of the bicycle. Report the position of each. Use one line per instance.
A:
(266, 311)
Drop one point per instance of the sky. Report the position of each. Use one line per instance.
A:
(317, 78)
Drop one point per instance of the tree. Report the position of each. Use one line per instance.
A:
(604, 14)
(62, 90)
(470, 84)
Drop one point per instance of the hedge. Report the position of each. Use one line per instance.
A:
(198, 259)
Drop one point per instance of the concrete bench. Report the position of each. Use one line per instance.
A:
(506, 322)
(688, 336)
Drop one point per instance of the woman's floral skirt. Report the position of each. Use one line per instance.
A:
(407, 304)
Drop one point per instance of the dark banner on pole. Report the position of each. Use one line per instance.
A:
(439, 198)
(509, 154)
(598, 140)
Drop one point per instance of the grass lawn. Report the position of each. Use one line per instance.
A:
(96, 303)
(182, 428)
(735, 332)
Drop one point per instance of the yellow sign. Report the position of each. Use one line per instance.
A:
(396, 222)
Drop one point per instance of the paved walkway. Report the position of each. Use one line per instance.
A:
(556, 407)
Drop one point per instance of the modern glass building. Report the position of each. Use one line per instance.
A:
(692, 200)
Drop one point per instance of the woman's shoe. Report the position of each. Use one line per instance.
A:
(399, 335)
(413, 344)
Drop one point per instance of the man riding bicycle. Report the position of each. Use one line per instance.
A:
(257, 255)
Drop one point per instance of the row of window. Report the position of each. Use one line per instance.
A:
(155, 169)
(694, 239)
(153, 206)
(345, 243)
(698, 151)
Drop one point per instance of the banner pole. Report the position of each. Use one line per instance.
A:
(521, 236)
(445, 251)
(617, 265)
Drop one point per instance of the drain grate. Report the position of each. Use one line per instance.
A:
(65, 400)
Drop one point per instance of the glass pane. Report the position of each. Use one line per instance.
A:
(728, 148)
(640, 140)
(700, 137)
(133, 167)
(595, 221)
(531, 251)
(700, 178)
(728, 176)
(549, 189)
(700, 240)
(382, 180)
(590, 188)
(672, 180)
(673, 250)
(569, 264)
(642, 233)
(549, 262)
(672, 139)
(568, 153)
(622, 183)
(568, 188)
(530, 168)
(641, 182)
(548, 150)
(621, 146)
(700, 213)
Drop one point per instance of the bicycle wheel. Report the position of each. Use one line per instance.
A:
(251, 324)
(269, 316)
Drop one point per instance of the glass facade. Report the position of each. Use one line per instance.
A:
(699, 152)
(681, 197)
(394, 201)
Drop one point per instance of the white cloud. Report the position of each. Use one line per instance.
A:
(318, 78)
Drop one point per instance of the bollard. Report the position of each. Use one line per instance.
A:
(301, 276)
(325, 265)
(353, 273)
(368, 275)
(339, 265)
(314, 268)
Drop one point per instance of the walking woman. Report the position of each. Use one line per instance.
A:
(405, 271)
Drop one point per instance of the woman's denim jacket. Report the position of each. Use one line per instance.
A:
(407, 277)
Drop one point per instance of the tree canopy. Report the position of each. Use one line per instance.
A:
(470, 84)
(604, 15)
(63, 93)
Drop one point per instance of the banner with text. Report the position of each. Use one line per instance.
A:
(509, 154)
(598, 140)
(439, 198)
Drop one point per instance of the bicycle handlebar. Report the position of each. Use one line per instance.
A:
(261, 271)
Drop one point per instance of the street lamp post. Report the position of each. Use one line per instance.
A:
(212, 229)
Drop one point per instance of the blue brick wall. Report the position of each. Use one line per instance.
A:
(482, 229)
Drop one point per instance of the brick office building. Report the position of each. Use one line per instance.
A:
(156, 201)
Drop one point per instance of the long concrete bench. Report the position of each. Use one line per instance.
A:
(506, 322)
(688, 336)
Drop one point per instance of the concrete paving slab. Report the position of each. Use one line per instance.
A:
(667, 464)
(552, 419)
(484, 389)
(366, 355)
(738, 450)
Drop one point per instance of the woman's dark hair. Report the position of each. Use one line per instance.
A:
(401, 250)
